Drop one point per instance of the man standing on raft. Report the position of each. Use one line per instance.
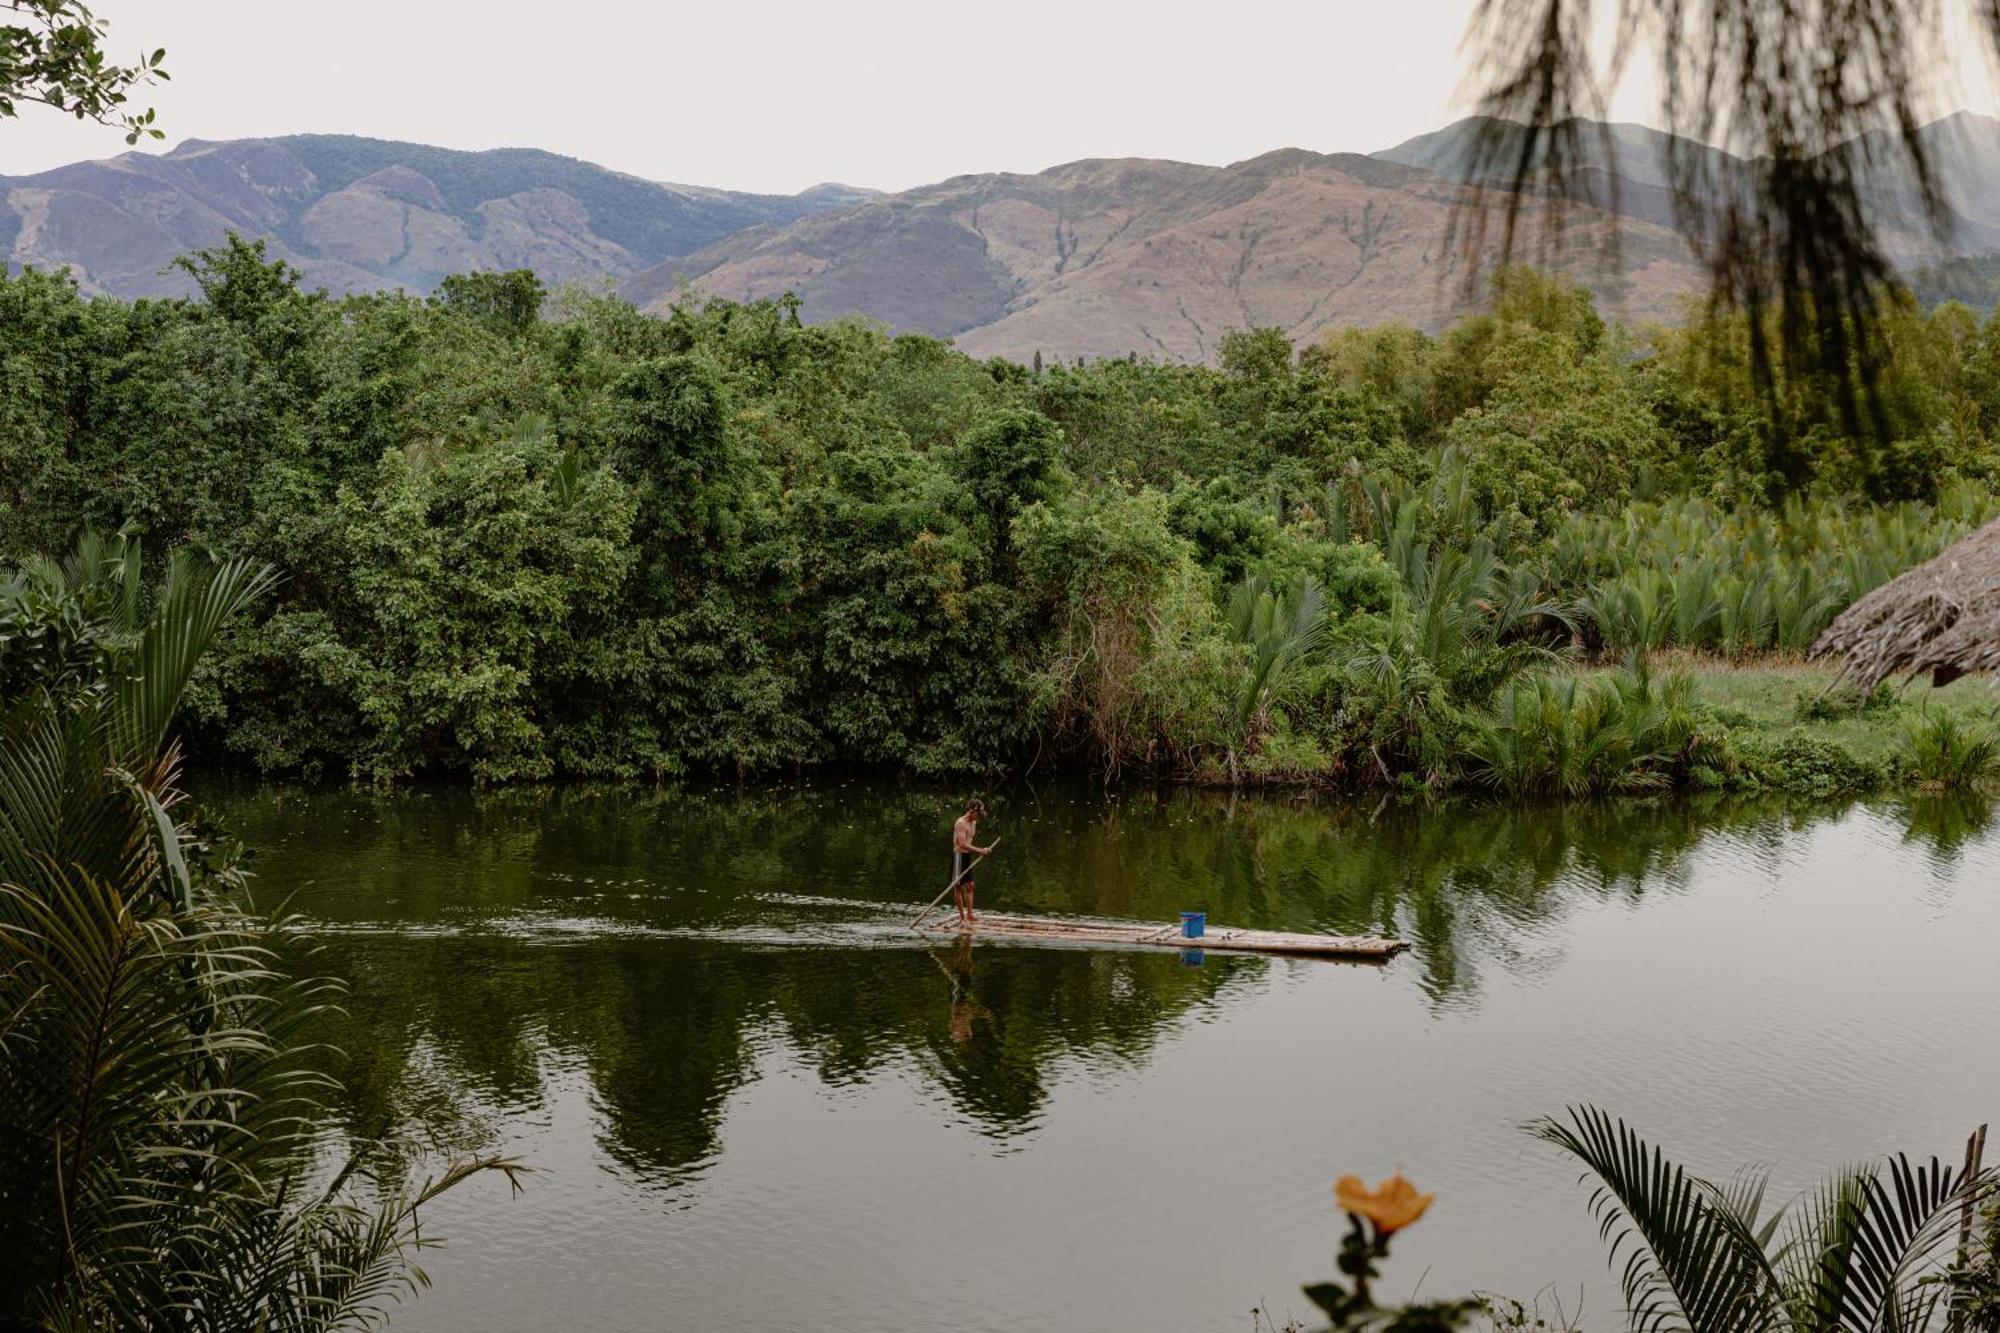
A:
(962, 852)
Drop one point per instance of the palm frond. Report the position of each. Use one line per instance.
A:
(158, 1108)
(1859, 1246)
(195, 603)
(1684, 1261)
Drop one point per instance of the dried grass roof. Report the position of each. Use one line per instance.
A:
(1942, 617)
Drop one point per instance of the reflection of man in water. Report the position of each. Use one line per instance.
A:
(962, 852)
(964, 1009)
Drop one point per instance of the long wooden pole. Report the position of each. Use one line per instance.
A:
(954, 884)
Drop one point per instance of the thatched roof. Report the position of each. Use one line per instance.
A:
(1942, 617)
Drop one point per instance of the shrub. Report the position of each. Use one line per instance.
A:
(1941, 751)
(1855, 1253)
(1796, 761)
(168, 1156)
(1581, 736)
(1810, 705)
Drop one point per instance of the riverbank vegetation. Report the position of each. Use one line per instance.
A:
(529, 536)
(1881, 1244)
(165, 1160)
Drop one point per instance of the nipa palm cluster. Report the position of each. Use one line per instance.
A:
(1686, 573)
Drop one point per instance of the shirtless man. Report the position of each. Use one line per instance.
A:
(962, 852)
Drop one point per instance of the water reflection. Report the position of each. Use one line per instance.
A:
(652, 939)
(760, 1099)
(667, 1031)
(1947, 824)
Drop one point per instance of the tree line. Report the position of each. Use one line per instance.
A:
(528, 536)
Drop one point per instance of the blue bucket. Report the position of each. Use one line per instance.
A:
(1194, 924)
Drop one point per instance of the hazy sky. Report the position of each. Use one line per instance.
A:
(780, 94)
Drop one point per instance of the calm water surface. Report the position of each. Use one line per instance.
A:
(757, 1103)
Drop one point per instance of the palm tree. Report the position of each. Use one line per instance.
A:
(165, 1156)
(1859, 1254)
(1577, 737)
(1281, 630)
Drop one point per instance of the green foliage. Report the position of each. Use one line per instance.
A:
(451, 581)
(1572, 736)
(1709, 1258)
(534, 537)
(1012, 460)
(61, 624)
(1140, 671)
(1281, 630)
(509, 302)
(1561, 425)
(1930, 406)
(1972, 1284)
(1828, 705)
(1795, 760)
(1353, 1309)
(670, 433)
(238, 282)
(52, 54)
(163, 1146)
(1945, 752)
(1465, 625)
(1685, 573)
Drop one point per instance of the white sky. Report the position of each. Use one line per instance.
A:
(776, 95)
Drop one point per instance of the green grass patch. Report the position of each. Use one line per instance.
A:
(1790, 727)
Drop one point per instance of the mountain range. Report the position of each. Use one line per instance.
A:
(1094, 258)
(360, 215)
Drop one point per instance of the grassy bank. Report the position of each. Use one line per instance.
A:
(1679, 723)
(1789, 725)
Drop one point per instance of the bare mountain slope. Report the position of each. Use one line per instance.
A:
(1105, 257)
(1102, 257)
(363, 214)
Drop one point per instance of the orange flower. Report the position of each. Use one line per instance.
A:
(1393, 1205)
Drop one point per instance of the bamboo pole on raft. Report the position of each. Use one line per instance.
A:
(954, 884)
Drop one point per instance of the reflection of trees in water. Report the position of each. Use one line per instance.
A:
(667, 1031)
(704, 853)
(1466, 882)
(1458, 878)
(1946, 824)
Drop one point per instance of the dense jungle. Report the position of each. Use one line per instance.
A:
(529, 535)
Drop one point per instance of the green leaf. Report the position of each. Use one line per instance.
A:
(1328, 1296)
(1684, 1261)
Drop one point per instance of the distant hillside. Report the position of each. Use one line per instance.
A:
(1101, 258)
(1973, 280)
(1096, 258)
(364, 214)
(1964, 151)
(1626, 167)
(1634, 152)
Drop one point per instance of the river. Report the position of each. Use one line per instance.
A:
(755, 1101)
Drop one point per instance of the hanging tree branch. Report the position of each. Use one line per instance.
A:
(52, 55)
(1808, 97)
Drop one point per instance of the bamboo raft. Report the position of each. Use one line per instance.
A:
(1140, 934)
